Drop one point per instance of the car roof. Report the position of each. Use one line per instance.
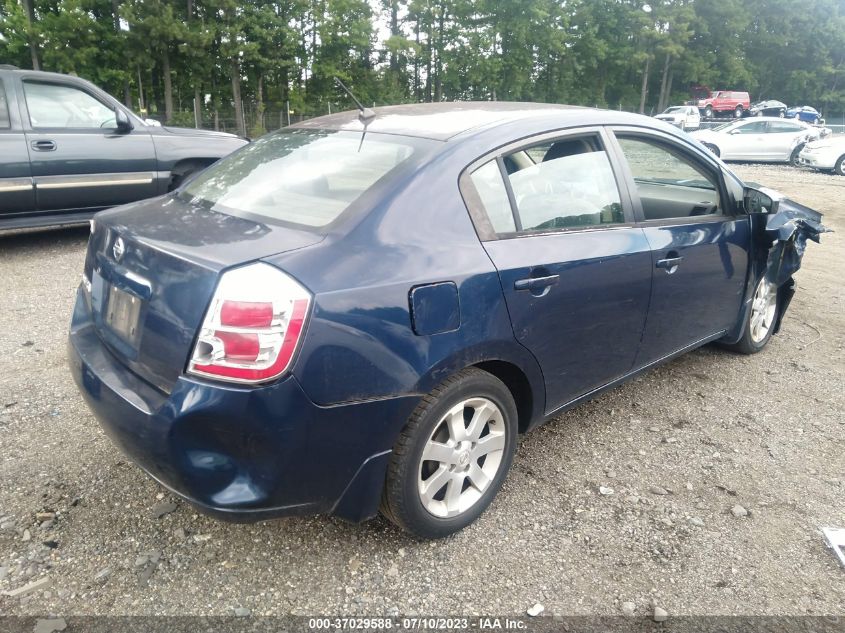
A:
(447, 120)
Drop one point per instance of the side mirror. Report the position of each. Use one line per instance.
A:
(761, 200)
(734, 132)
(123, 124)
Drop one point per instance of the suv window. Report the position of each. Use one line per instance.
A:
(669, 184)
(5, 122)
(563, 184)
(63, 106)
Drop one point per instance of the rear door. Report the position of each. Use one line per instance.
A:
(79, 160)
(781, 138)
(16, 192)
(575, 270)
(700, 249)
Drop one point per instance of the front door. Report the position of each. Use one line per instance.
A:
(700, 250)
(16, 192)
(79, 160)
(575, 271)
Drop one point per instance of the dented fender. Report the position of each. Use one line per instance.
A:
(781, 230)
(788, 226)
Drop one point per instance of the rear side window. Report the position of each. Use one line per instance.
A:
(779, 127)
(5, 122)
(304, 177)
(564, 184)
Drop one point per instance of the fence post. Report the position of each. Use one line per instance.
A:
(287, 110)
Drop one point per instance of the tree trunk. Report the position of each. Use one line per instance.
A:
(664, 97)
(259, 108)
(168, 86)
(236, 97)
(394, 30)
(197, 107)
(644, 89)
(29, 9)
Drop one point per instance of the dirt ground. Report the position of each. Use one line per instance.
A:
(680, 447)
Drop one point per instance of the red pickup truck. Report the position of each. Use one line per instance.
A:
(724, 101)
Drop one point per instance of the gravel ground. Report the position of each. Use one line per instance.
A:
(685, 449)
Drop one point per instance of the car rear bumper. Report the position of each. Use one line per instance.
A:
(241, 454)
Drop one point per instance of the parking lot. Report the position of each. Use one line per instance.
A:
(721, 470)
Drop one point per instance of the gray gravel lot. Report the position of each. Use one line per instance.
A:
(680, 448)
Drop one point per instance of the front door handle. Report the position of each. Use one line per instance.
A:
(536, 283)
(670, 264)
(43, 146)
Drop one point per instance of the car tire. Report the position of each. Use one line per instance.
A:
(453, 498)
(781, 113)
(793, 158)
(708, 112)
(738, 112)
(712, 148)
(762, 316)
(182, 172)
(839, 167)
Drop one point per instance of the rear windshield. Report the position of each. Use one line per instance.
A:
(304, 177)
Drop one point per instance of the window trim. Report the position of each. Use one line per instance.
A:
(64, 84)
(727, 202)
(478, 214)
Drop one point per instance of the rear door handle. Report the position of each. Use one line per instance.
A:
(536, 283)
(669, 263)
(43, 146)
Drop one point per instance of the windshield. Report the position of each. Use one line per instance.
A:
(673, 109)
(723, 127)
(305, 177)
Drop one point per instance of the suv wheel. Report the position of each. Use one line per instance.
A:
(708, 111)
(738, 112)
(452, 456)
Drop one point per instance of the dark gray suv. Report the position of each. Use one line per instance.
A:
(68, 150)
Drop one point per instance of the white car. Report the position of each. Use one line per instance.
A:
(826, 154)
(684, 117)
(766, 139)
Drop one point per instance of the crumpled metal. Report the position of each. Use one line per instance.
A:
(789, 229)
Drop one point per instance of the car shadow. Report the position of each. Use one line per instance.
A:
(22, 239)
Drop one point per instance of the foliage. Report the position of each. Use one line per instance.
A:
(162, 55)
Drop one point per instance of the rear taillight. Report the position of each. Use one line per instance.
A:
(252, 327)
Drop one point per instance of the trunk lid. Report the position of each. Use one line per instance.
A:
(153, 267)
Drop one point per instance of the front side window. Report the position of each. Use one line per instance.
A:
(61, 106)
(669, 184)
(303, 177)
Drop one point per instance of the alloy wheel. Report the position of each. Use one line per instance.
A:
(763, 309)
(461, 457)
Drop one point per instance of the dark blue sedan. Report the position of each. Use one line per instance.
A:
(362, 313)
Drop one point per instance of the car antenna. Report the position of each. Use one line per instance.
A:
(365, 115)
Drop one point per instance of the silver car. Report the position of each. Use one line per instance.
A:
(764, 139)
